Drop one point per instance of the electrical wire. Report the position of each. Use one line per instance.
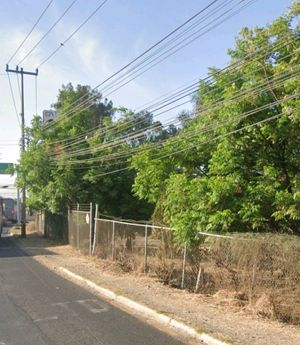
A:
(29, 33)
(230, 82)
(206, 79)
(171, 51)
(258, 109)
(86, 107)
(150, 67)
(13, 98)
(167, 44)
(251, 112)
(144, 131)
(189, 148)
(142, 72)
(205, 142)
(145, 52)
(144, 110)
(47, 33)
(72, 34)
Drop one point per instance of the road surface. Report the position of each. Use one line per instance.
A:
(38, 307)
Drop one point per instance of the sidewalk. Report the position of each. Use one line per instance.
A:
(221, 320)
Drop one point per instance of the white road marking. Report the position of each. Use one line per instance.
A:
(66, 307)
(45, 319)
(90, 305)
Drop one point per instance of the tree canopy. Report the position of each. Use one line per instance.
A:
(236, 165)
(62, 164)
(232, 165)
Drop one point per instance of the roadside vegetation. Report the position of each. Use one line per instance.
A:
(232, 165)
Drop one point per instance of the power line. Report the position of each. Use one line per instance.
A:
(29, 33)
(135, 68)
(260, 88)
(205, 142)
(168, 43)
(211, 127)
(47, 33)
(87, 101)
(150, 48)
(207, 128)
(168, 102)
(72, 34)
(243, 115)
(171, 51)
(13, 98)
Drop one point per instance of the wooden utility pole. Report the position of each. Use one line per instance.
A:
(22, 72)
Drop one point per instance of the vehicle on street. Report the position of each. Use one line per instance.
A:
(1, 216)
(10, 213)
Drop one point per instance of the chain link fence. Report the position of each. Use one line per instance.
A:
(80, 227)
(52, 226)
(40, 222)
(248, 267)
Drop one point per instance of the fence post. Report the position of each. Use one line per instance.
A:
(146, 250)
(77, 226)
(113, 240)
(95, 230)
(199, 278)
(183, 266)
(91, 228)
(69, 216)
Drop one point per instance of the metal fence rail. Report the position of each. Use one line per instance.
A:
(141, 247)
(80, 226)
(40, 222)
(137, 246)
(248, 264)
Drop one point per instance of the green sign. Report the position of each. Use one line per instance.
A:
(4, 167)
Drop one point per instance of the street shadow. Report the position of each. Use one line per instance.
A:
(12, 247)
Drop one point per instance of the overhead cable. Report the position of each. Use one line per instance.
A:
(62, 44)
(29, 33)
(88, 103)
(167, 102)
(148, 49)
(13, 98)
(47, 32)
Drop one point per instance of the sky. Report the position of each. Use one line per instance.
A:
(119, 32)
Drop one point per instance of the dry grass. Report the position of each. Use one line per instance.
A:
(266, 269)
(259, 273)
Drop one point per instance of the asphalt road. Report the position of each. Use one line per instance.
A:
(38, 307)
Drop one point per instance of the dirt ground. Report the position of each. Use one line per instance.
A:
(219, 315)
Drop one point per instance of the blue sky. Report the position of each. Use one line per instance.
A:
(119, 31)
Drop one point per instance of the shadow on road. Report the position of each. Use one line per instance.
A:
(12, 247)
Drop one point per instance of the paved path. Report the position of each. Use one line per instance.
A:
(38, 307)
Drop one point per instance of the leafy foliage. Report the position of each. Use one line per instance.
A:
(56, 177)
(223, 172)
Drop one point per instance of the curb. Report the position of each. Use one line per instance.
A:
(145, 311)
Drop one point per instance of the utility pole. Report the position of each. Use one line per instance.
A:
(18, 207)
(22, 72)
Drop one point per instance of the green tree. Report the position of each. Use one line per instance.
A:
(69, 161)
(222, 172)
(51, 184)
